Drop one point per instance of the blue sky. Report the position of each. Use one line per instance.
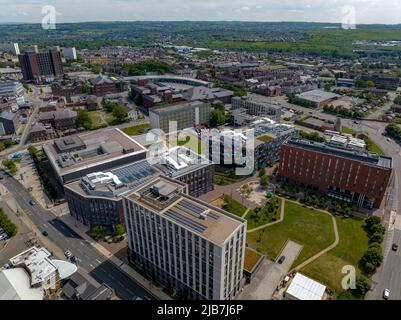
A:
(367, 11)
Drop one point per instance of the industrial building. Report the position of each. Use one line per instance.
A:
(193, 249)
(317, 98)
(347, 174)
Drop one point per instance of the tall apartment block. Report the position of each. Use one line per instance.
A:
(192, 248)
(187, 115)
(351, 175)
(38, 66)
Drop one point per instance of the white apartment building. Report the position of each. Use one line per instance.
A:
(11, 89)
(192, 248)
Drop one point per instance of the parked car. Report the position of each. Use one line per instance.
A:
(281, 260)
(32, 203)
(395, 247)
(73, 259)
(3, 236)
(68, 254)
(45, 233)
(386, 294)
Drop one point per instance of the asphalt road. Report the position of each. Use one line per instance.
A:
(65, 238)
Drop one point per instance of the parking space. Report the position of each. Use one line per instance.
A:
(269, 276)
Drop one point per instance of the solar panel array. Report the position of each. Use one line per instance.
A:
(134, 173)
(186, 221)
(198, 210)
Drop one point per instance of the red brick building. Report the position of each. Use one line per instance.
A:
(358, 177)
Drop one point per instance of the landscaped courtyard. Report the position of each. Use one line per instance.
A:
(311, 228)
(353, 244)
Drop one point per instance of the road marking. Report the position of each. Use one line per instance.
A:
(91, 265)
(98, 261)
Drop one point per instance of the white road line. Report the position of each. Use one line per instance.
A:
(91, 265)
(98, 261)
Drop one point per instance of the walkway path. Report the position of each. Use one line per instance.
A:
(271, 223)
(246, 212)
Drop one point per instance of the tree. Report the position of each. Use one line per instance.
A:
(119, 230)
(120, 114)
(362, 286)
(98, 231)
(85, 88)
(397, 100)
(370, 84)
(84, 119)
(10, 165)
(217, 118)
(372, 258)
(262, 172)
(264, 181)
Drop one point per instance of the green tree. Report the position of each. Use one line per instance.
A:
(85, 88)
(119, 230)
(264, 181)
(372, 258)
(120, 114)
(84, 119)
(98, 231)
(262, 172)
(370, 84)
(10, 165)
(217, 118)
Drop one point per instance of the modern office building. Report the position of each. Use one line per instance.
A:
(10, 89)
(39, 66)
(11, 47)
(69, 53)
(192, 248)
(257, 106)
(186, 115)
(73, 157)
(9, 122)
(189, 167)
(96, 199)
(350, 175)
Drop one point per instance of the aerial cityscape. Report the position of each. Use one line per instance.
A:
(237, 154)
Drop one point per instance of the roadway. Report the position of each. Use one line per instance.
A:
(89, 260)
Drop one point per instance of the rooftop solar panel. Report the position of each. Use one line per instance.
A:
(186, 221)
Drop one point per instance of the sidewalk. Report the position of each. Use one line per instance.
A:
(130, 272)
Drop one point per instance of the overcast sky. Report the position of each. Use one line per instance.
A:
(367, 11)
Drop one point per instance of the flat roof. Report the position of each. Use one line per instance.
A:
(317, 95)
(178, 107)
(304, 288)
(99, 147)
(363, 156)
(209, 222)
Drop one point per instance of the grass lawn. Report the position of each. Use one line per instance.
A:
(109, 118)
(96, 120)
(233, 206)
(254, 222)
(190, 141)
(352, 246)
(265, 138)
(373, 147)
(347, 130)
(136, 130)
(251, 258)
(311, 228)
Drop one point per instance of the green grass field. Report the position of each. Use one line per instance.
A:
(311, 228)
(352, 246)
(347, 130)
(96, 120)
(233, 206)
(136, 130)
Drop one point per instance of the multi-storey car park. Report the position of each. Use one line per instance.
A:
(192, 248)
(340, 172)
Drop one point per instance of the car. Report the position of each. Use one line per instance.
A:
(32, 203)
(3, 236)
(281, 260)
(73, 259)
(386, 294)
(68, 254)
(45, 233)
(394, 247)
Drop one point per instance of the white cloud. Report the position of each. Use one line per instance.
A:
(368, 11)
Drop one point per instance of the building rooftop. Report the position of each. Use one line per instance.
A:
(317, 95)
(165, 197)
(73, 153)
(177, 107)
(304, 288)
(363, 156)
(15, 285)
(180, 160)
(116, 182)
(37, 263)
